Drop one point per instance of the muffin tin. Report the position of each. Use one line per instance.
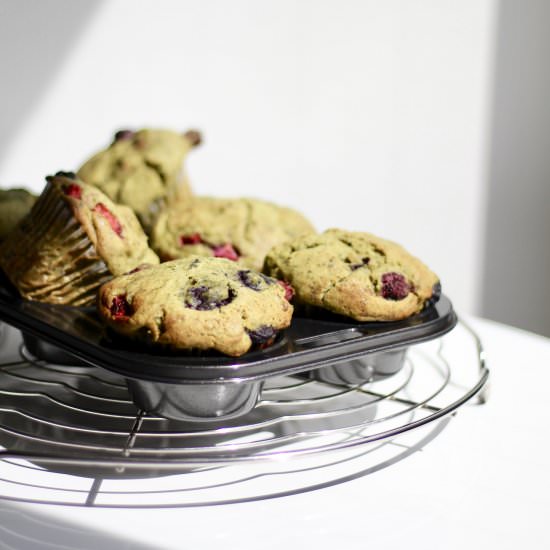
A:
(208, 386)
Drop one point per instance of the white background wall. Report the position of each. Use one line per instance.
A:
(517, 240)
(363, 114)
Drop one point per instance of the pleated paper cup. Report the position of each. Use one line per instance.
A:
(50, 258)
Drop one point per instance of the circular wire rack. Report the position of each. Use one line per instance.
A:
(72, 435)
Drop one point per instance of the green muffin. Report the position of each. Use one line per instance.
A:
(242, 230)
(354, 274)
(15, 204)
(142, 170)
(196, 303)
(73, 240)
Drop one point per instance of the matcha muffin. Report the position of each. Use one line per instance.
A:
(354, 274)
(73, 240)
(242, 230)
(15, 204)
(196, 303)
(142, 169)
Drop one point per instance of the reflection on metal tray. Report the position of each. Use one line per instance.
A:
(208, 386)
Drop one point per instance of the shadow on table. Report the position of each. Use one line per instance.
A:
(23, 528)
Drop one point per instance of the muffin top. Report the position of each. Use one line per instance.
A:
(142, 169)
(354, 274)
(196, 303)
(242, 230)
(14, 205)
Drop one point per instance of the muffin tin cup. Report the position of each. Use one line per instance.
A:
(197, 402)
(210, 387)
(355, 372)
(189, 402)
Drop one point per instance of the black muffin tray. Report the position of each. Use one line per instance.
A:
(208, 386)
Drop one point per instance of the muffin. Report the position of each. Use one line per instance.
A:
(354, 274)
(73, 240)
(242, 230)
(15, 204)
(142, 169)
(196, 303)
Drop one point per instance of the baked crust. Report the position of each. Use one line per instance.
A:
(355, 274)
(196, 303)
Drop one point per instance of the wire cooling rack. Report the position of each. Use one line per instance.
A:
(72, 435)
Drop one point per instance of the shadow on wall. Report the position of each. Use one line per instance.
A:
(515, 288)
(38, 41)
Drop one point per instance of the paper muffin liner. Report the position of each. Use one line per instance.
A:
(50, 258)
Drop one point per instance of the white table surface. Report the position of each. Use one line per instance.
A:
(483, 482)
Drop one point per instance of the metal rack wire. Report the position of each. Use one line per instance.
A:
(72, 435)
